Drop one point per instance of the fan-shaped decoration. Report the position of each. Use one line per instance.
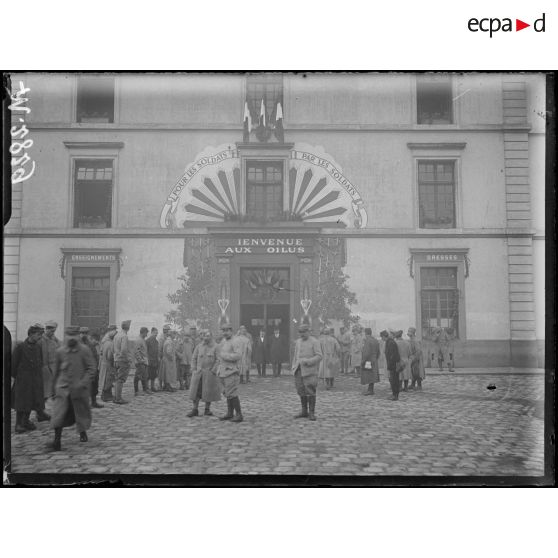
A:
(264, 283)
(317, 191)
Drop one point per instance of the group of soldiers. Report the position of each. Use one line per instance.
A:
(73, 372)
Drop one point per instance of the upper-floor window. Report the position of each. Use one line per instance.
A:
(268, 87)
(93, 179)
(434, 100)
(264, 190)
(436, 194)
(95, 99)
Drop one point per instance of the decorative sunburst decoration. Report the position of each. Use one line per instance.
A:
(264, 283)
(317, 191)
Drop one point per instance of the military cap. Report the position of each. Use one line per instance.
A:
(38, 326)
(384, 333)
(51, 323)
(303, 327)
(412, 330)
(126, 324)
(84, 329)
(72, 330)
(166, 327)
(111, 327)
(226, 325)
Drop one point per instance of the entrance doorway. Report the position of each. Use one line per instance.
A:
(265, 301)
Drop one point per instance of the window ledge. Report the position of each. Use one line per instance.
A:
(94, 144)
(437, 145)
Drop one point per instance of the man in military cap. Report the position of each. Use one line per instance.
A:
(140, 357)
(122, 361)
(106, 364)
(152, 357)
(49, 343)
(27, 391)
(306, 360)
(74, 371)
(89, 342)
(230, 353)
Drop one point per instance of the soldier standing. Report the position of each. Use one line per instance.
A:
(106, 364)
(307, 357)
(73, 374)
(152, 358)
(140, 357)
(49, 343)
(230, 353)
(344, 340)
(91, 344)
(122, 361)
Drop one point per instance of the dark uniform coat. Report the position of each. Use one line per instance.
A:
(204, 370)
(277, 349)
(74, 371)
(370, 353)
(27, 369)
(259, 354)
(392, 354)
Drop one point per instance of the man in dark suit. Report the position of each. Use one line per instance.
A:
(259, 353)
(276, 351)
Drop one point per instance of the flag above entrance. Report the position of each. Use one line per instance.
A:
(316, 191)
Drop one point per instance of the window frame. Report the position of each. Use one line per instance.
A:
(443, 157)
(116, 105)
(264, 161)
(93, 151)
(454, 105)
(436, 185)
(263, 77)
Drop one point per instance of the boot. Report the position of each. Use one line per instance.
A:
(207, 411)
(194, 412)
(27, 423)
(312, 407)
(236, 407)
(83, 436)
(153, 388)
(441, 364)
(406, 385)
(230, 410)
(413, 384)
(304, 404)
(136, 385)
(107, 395)
(419, 384)
(242, 378)
(370, 390)
(118, 394)
(94, 403)
(181, 386)
(248, 377)
(20, 423)
(42, 416)
(145, 387)
(57, 442)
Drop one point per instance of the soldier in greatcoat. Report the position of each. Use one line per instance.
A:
(122, 360)
(49, 343)
(443, 342)
(331, 361)
(246, 360)
(106, 364)
(204, 385)
(229, 353)
(90, 342)
(357, 341)
(306, 360)
(392, 360)
(418, 372)
(152, 358)
(405, 360)
(167, 370)
(74, 371)
(369, 372)
(344, 340)
(27, 390)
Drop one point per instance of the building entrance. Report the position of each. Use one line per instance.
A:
(265, 301)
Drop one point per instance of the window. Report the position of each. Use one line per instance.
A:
(436, 194)
(93, 193)
(90, 296)
(95, 99)
(439, 299)
(434, 100)
(264, 190)
(268, 87)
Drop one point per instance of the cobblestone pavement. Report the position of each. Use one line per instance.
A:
(455, 426)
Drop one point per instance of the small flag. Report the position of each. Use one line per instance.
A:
(279, 131)
(247, 123)
(262, 114)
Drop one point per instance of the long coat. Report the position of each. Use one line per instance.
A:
(204, 370)
(277, 349)
(331, 352)
(106, 362)
(370, 353)
(48, 348)
(245, 361)
(74, 371)
(357, 342)
(417, 359)
(259, 353)
(27, 364)
(391, 354)
(405, 356)
(311, 350)
(167, 368)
